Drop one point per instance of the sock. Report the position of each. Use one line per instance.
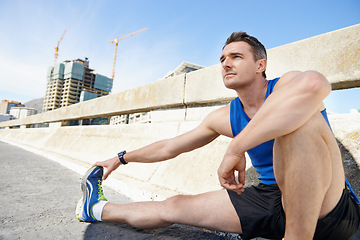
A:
(98, 208)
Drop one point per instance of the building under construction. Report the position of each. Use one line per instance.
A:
(73, 81)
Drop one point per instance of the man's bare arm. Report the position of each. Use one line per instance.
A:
(297, 96)
(212, 126)
(293, 102)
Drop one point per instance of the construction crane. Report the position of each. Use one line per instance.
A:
(57, 48)
(116, 40)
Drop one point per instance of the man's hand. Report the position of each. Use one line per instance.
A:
(226, 172)
(110, 165)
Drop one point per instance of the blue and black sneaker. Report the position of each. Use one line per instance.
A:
(91, 186)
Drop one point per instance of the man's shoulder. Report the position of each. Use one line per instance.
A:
(220, 113)
(218, 120)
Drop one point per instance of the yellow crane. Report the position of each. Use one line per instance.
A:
(57, 48)
(116, 40)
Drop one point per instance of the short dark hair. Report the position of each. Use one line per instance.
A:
(257, 47)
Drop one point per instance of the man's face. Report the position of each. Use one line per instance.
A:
(238, 65)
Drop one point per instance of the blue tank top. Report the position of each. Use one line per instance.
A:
(262, 155)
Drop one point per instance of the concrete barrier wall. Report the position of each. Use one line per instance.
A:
(190, 173)
(335, 54)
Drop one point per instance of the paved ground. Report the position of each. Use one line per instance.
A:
(38, 199)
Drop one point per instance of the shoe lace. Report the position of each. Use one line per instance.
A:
(101, 193)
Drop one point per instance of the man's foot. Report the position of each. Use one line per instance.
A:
(92, 194)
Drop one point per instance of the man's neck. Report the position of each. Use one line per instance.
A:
(252, 97)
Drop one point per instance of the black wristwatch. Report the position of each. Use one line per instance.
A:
(121, 157)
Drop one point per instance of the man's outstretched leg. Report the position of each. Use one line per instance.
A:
(309, 172)
(212, 210)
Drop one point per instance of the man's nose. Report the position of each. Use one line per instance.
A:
(226, 63)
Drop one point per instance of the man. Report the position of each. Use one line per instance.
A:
(289, 142)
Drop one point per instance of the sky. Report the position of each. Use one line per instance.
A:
(190, 30)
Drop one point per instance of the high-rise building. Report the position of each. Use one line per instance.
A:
(73, 81)
(6, 105)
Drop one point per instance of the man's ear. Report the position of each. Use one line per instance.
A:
(261, 65)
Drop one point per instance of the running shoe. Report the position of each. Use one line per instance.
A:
(91, 186)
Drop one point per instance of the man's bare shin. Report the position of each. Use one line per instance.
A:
(144, 215)
(303, 166)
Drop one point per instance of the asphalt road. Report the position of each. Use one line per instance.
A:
(38, 199)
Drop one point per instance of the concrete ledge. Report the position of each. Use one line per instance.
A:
(335, 54)
(164, 93)
(189, 173)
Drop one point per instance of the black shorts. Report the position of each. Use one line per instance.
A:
(261, 214)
